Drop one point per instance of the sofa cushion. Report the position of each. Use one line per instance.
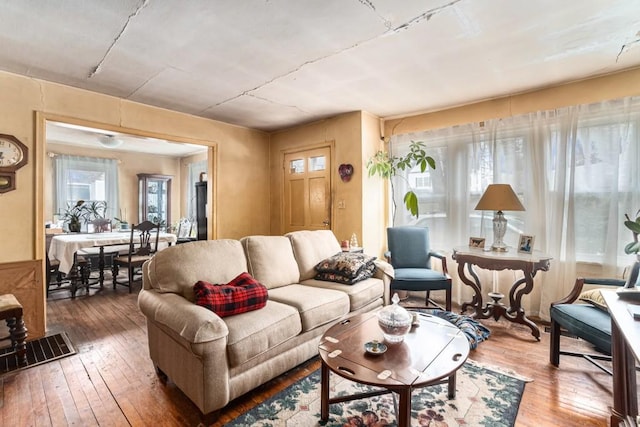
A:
(317, 306)
(311, 247)
(360, 294)
(270, 260)
(254, 332)
(242, 294)
(214, 261)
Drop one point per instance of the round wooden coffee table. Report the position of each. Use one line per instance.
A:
(431, 353)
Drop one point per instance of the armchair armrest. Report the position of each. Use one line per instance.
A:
(579, 284)
(443, 260)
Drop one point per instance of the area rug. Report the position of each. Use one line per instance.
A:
(39, 351)
(485, 397)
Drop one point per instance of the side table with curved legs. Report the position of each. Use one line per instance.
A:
(529, 264)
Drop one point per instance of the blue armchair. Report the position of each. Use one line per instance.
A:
(410, 255)
(589, 321)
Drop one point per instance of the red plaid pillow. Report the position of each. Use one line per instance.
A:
(242, 294)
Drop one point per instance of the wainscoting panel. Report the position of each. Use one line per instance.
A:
(24, 280)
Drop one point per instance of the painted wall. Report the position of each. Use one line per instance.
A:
(241, 180)
(344, 131)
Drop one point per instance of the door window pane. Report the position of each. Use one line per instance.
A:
(296, 166)
(317, 163)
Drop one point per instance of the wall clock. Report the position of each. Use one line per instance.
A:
(13, 155)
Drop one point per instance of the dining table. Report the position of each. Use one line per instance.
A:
(64, 246)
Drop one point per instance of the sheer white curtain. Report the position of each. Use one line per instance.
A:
(575, 170)
(88, 179)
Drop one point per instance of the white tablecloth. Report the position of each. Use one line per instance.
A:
(64, 246)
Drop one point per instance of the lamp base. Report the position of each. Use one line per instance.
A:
(499, 229)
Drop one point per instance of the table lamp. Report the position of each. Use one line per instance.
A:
(498, 198)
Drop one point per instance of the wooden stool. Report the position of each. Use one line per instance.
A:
(11, 311)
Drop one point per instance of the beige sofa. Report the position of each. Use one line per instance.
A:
(214, 360)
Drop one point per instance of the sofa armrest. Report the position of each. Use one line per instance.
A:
(195, 324)
(385, 272)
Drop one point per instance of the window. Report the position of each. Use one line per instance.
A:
(574, 169)
(86, 178)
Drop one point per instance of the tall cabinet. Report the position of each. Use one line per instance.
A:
(201, 209)
(154, 204)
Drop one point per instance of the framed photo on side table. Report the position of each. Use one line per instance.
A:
(476, 242)
(526, 243)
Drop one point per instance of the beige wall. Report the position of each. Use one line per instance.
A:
(355, 137)
(626, 83)
(241, 178)
(344, 132)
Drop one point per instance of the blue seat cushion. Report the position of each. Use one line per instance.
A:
(585, 321)
(419, 279)
(423, 274)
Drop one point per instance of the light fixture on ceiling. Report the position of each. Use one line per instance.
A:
(110, 141)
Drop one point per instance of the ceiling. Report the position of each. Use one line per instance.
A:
(273, 64)
(97, 139)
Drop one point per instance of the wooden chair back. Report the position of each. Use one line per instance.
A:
(144, 239)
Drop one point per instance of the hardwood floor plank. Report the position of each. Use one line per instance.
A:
(39, 407)
(111, 380)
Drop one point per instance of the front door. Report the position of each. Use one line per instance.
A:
(307, 190)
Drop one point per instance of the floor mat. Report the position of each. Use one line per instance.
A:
(39, 351)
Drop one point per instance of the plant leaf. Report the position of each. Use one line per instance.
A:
(632, 248)
(411, 203)
(634, 226)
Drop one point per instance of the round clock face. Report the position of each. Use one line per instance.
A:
(13, 153)
(10, 153)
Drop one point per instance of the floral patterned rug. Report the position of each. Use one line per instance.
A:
(485, 397)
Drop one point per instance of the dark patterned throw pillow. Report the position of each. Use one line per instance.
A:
(346, 267)
(242, 294)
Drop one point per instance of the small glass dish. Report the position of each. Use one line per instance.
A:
(375, 347)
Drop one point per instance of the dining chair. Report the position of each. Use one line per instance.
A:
(410, 255)
(142, 246)
(55, 280)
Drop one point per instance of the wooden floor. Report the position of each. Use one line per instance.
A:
(111, 381)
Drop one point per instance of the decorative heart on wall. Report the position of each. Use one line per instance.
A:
(345, 171)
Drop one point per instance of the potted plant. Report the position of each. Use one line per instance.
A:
(634, 226)
(75, 215)
(386, 166)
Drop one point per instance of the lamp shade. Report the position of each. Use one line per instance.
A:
(499, 197)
